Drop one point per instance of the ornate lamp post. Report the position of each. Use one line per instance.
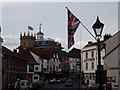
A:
(98, 28)
(100, 73)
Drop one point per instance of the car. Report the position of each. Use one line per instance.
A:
(52, 80)
(23, 84)
(68, 82)
(37, 84)
(92, 86)
(58, 80)
(42, 82)
(30, 86)
(62, 79)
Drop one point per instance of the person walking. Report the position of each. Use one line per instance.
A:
(17, 85)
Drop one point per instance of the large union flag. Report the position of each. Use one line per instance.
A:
(73, 23)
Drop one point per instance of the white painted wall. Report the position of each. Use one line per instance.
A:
(111, 65)
(73, 63)
(90, 60)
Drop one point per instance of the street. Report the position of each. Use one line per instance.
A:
(61, 86)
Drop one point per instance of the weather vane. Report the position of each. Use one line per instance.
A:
(40, 27)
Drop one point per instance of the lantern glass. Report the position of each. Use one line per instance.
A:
(98, 27)
(98, 31)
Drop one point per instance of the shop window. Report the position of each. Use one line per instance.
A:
(86, 66)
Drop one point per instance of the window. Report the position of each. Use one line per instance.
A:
(54, 60)
(46, 42)
(31, 68)
(86, 66)
(47, 68)
(22, 84)
(86, 54)
(53, 67)
(92, 65)
(59, 66)
(47, 62)
(35, 77)
(24, 44)
(42, 67)
(92, 54)
(36, 68)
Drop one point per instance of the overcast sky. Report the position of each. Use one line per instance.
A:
(16, 16)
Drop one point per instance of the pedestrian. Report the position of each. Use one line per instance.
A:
(17, 85)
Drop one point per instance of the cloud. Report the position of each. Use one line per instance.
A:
(80, 44)
(59, 40)
(11, 41)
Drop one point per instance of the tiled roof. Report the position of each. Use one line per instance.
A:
(63, 53)
(44, 53)
(10, 53)
(75, 53)
(26, 54)
(92, 44)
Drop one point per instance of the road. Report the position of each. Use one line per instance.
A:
(60, 86)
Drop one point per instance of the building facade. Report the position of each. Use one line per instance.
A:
(111, 60)
(89, 61)
(42, 54)
(11, 67)
(74, 63)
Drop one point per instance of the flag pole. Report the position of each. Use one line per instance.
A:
(88, 31)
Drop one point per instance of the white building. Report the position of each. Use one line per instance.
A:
(44, 65)
(74, 63)
(111, 60)
(74, 68)
(89, 61)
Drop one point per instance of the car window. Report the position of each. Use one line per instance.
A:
(22, 84)
(27, 83)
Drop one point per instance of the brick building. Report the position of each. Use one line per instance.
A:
(12, 63)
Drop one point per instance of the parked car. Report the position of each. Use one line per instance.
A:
(30, 86)
(42, 82)
(52, 80)
(68, 82)
(23, 84)
(92, 86)
(37, 84)
(58, 80)
(62, 79)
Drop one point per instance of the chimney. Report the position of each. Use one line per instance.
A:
(107, 36)
(89, 42)
(15, 50)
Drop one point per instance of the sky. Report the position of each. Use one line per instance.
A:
(16, 16)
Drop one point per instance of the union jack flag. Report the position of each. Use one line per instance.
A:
(73, 23)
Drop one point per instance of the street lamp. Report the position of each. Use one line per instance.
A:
(98, 28)
(100, 73)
